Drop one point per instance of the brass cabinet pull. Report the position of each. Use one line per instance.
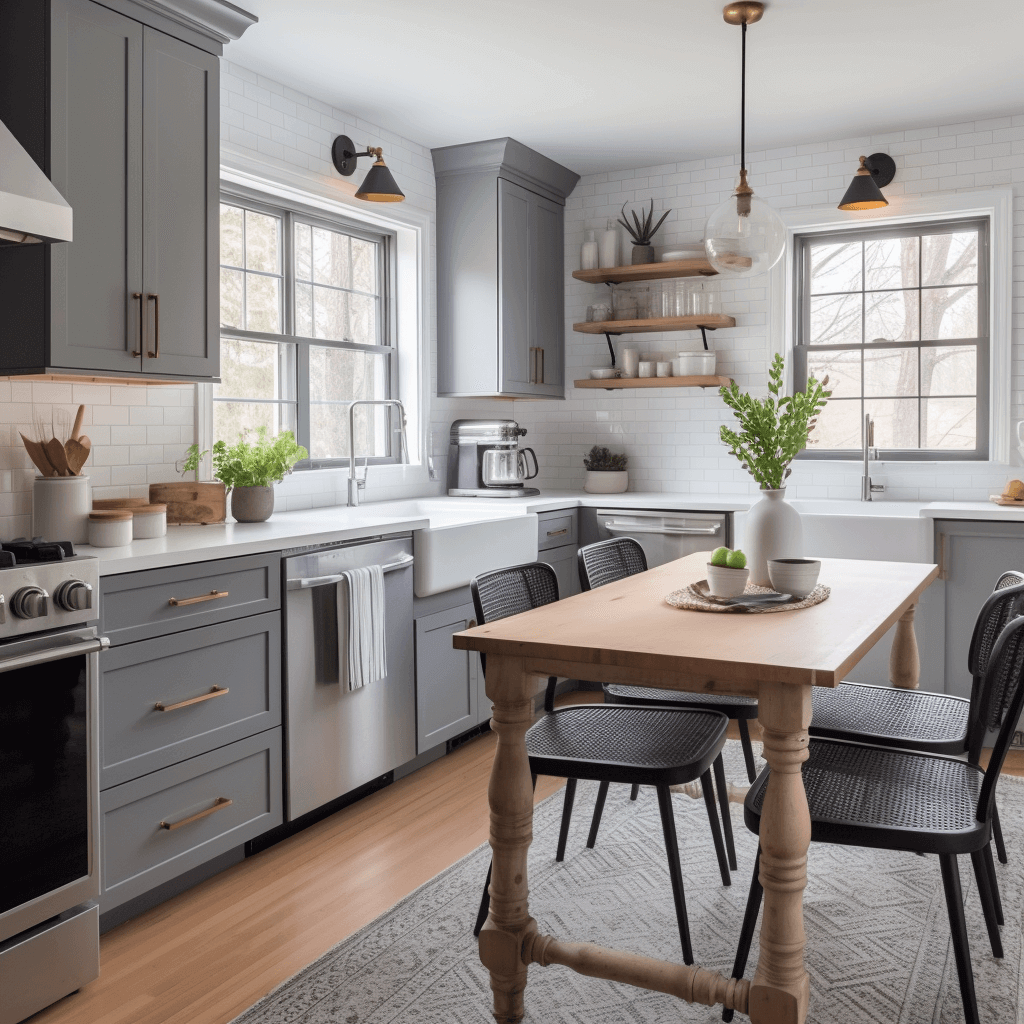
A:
(155, 299)
(218, 805)
(536, 365)
(215, 691)
(213, 595)
(558, 533)
(142, 318)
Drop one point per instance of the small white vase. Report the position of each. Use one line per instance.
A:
(606, 481)
(772, 530)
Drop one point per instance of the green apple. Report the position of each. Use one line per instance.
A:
(720, 556)
(735, 559)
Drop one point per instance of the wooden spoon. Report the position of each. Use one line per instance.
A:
(76, 429)
(37, 453)
(76, 453)
(55, 453)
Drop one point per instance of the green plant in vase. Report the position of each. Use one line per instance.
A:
(772, 431)
(642, 233)
(249, 469)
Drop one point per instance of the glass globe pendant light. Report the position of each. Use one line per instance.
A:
(744, 236)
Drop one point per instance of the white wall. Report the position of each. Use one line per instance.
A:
(671, 436)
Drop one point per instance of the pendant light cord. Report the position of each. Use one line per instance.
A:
(743, 100)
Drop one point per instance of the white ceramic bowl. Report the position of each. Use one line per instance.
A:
(796, 576)
(726, 582)
(603, 373)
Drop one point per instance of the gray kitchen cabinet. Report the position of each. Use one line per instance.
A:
(971, 557)
(447, 680)
(557, 545)
(500, 270)
(119, 104)
(563, 561)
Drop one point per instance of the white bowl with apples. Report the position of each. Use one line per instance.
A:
(727, 573)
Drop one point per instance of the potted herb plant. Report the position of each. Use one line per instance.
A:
(641, 232)
(773, 430)
(606, 471)
(249, 470)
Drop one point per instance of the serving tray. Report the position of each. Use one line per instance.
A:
(757, 600)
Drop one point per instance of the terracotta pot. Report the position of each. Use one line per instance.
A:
(252, 504)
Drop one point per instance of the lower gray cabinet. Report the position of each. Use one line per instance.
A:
(156, 827)
(563, 561)
(447, 680)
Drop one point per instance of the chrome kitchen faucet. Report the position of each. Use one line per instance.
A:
(867, 488)
(355, 484)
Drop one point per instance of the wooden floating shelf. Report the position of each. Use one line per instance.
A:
(655, 382)
(697, 266)
(664, 323)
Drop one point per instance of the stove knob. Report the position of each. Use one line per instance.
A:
(30, 603)
(73, 596)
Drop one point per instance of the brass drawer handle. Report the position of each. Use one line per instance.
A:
(557, 533)
(155, 299)
(142, 319)
(218, 805)
(213, 595)
(215, 691)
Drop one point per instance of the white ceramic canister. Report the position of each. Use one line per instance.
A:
(772, 530)
(609, 246)
(60, 508)
(110, 528)
(149, 521)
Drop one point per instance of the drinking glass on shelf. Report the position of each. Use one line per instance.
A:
(705, 298)
(623, 304)
(642, 297)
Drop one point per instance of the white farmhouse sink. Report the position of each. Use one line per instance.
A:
(464, 539)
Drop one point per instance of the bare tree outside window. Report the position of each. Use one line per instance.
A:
(898, 320)
(304, 329)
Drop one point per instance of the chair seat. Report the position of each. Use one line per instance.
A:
(882, 798)
(909, 719)
(618, 743)
(729, 704)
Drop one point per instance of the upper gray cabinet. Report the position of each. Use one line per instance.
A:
(500, 270)
(129, 100)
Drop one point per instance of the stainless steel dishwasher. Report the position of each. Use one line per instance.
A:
(664, 535)
(337, 739)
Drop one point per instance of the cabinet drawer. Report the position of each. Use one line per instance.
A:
(242, 659)
(556, 529)
(140, 605)
(138, 853)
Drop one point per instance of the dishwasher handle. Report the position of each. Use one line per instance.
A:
(613, 526)
(305, 582)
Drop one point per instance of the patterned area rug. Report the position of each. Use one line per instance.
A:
(878, 945)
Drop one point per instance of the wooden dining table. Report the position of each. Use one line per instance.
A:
(626, 632)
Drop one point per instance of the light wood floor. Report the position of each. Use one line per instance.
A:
(206, 955)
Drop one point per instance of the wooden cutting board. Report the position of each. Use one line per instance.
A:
(190, 502)
(1000, 499)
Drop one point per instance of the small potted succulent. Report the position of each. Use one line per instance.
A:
(249, 470)
(642, 233)
(606, 471)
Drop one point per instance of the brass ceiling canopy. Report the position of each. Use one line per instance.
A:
(744, 12)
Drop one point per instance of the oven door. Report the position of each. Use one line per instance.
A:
(49, 776)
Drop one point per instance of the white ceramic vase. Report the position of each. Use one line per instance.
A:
(772, 530)
(606, 481)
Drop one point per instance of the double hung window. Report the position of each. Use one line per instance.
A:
(898, 319)
(306, 329)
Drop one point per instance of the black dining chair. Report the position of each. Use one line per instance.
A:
(891, 799)
(648, 746)
(915, 720)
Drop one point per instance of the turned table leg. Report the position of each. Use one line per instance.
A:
(779, 991)
(904, 662)
(510, 795)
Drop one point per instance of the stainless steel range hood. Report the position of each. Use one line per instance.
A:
(31, 209)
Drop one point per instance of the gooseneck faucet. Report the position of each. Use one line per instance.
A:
(355, 484)
(867, 488)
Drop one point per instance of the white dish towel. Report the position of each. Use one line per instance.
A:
(362, 636)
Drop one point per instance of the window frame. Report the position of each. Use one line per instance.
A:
(290, 214)
(802, 242)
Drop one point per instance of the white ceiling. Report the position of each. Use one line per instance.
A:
(606, 84)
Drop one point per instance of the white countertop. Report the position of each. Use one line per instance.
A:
(284, 530)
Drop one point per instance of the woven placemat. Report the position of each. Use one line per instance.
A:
(693, 600)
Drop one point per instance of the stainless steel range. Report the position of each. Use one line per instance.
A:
(49, 774)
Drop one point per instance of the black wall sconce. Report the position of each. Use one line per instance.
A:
(874, 173)
(378, 186)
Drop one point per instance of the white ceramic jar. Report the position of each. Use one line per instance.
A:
(772, 530)
(149, 521)
(60, 508)
(110, 528)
